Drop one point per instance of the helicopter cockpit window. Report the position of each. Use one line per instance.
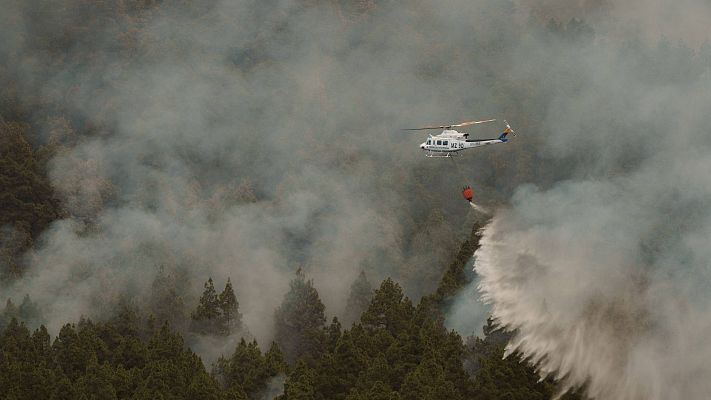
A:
(439, 143)
(429, 141)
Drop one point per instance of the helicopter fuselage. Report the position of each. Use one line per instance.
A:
(450, 142)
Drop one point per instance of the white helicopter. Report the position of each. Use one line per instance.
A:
(449, 142)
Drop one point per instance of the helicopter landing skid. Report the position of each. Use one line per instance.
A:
(441, 154)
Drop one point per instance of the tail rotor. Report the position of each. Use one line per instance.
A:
(509, 129)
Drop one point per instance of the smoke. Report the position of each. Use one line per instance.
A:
(603, 288)
(600, 269)
(233, 139)
(274, 389)
(248, 138)
(684, 20)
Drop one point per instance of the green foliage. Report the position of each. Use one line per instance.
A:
(166, 305)
(96, 383)
(246, 368)
(358, 299)
(300, 385)
(428, 381)
(299, 321)
(397, 352)
(275, 362)
(28, 312)
(8, 314)
(208, 311)
(95, 361)
(454, 277)
(389, 309)
(378, 391)
(26, 199)
(512, 377)
(230, 317)
(26, 367)
(333, 334)
(509, 378)
(338, 370)
(217, 315)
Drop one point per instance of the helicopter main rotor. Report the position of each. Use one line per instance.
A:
(467, 123)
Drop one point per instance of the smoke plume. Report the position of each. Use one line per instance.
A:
(249, 138)
(603, 273)
(231, 139)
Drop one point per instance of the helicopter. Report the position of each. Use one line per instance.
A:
(449, 141)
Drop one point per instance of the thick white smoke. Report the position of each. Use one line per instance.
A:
(606, 282)
(242, 139)
(603, 273)
(259, 135)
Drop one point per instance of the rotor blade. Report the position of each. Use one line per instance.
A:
(424, 128)
(472, 123)
(467, 123)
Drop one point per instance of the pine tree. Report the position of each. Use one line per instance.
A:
(428, 381)
(389, 309)
(358, 299)
(511, 377)
(300, 385)
(130, 352)
(300, 320)
(95, 383)
(171, 367)
(203, 387)
(378, 391)
(41, 341)
(521, 379)
(206, 316)
(333, 334)
(8, 314)
(274, 360)
(127, 320)
(23, 357)
(15, 239)
(230, 317)
(455, 277)
(63, 388)
(72, 353)
(378, 371)
(28, 311)
(26, 197)
(209, 307)
(339, 370)
(246, 368)
(165, 302)
(10, 310)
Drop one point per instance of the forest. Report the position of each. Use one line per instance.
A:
(205, 200)
(392, 349)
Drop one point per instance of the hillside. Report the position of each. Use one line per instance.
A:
(217, 200)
